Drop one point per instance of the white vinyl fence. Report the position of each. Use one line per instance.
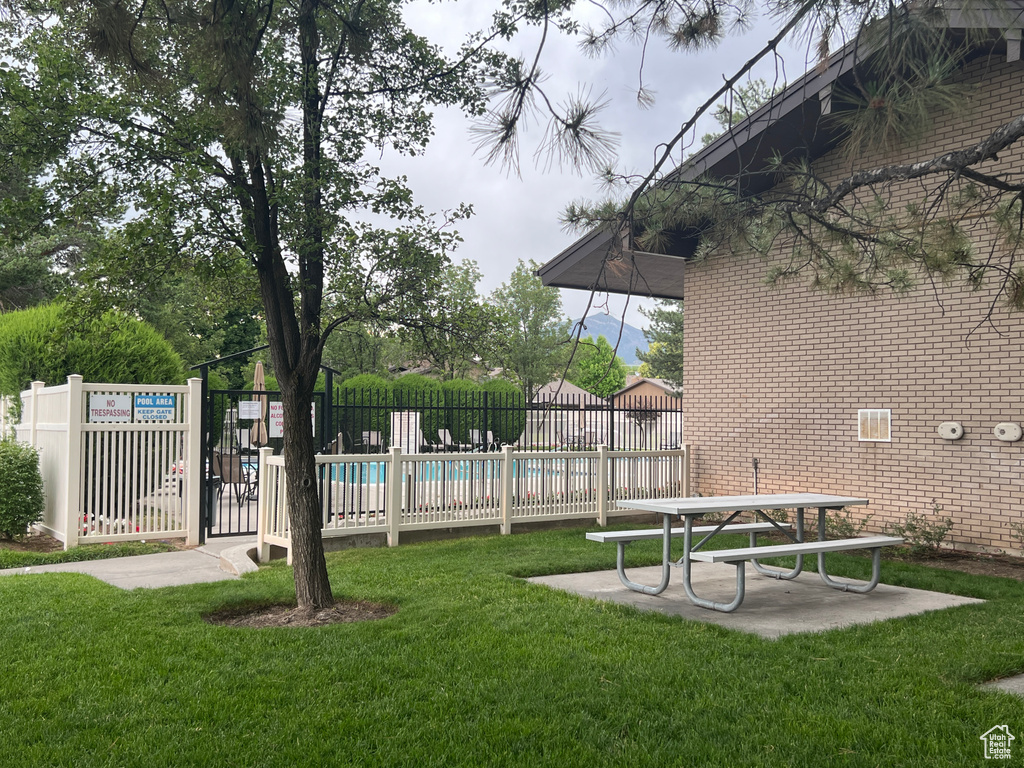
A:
(115, 459)
(6, 422)
(397, 492)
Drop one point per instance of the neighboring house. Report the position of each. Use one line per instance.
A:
(566, 393)
(781, 375)
(641, 391)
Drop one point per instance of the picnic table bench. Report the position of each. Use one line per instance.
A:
(692, 508)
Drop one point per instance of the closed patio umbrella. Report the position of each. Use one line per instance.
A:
(258, 436)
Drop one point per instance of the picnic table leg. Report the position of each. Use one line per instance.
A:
(688, 587)
(772, 572)
(876, 565)
(666, 563)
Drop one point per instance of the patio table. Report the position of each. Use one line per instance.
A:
(690, 509)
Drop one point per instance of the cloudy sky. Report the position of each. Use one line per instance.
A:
(517, 217)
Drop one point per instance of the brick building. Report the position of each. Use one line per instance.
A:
(781, 375)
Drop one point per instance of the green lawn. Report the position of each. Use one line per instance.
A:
(479, 668)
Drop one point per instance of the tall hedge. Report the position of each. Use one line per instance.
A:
(506, 410)
(365, 403)
(48, 344)
(416, 392)
(463, 408)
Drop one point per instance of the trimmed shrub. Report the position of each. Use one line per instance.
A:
(463, 401)
(365, 403)
(415, 392)
(21, 488)
(506, 410)
(47, 344)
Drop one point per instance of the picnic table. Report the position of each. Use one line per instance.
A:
(690, 509)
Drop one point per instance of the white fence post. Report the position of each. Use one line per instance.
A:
(686, 471)
(394, 499)
(263, 507)
(602, 485)
(37, 386)
(73, 504)
(507, 489)
(192, 458)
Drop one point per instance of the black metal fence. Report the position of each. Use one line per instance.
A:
(370, 421)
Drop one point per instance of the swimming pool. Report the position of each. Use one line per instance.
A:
(453, 470)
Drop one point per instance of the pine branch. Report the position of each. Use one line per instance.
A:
(958, 162)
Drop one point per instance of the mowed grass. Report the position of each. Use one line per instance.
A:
(479, 668)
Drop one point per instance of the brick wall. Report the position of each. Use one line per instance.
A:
(778, 374)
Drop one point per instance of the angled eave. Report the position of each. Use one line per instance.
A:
(789, 126)
(583, 265)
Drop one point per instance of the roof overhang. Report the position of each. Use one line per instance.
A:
(597, 262)
(790, 125)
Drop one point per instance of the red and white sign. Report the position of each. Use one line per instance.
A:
(276, 426)
(110, 408)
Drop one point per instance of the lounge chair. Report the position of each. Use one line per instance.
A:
(448, 444)
(372, 442)
(480, 444)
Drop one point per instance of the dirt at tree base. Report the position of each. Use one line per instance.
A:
(288, 615)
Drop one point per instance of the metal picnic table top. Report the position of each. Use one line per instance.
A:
(699, 505)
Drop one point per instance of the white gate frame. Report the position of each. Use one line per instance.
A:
(54, 420)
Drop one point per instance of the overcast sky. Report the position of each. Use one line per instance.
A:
(518, 217)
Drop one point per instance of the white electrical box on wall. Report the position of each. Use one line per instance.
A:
(1008, 432)
(951, 430)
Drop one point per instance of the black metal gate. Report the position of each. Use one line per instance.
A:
(232, 455)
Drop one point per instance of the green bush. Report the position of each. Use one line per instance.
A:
(21, 488)
(49, 344)
(843, 524)
(420, 393)
(365, 403)
(506, 410)
(923, 534)
(463, 408)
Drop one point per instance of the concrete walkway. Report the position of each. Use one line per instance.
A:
(217, 560)
(770, 609)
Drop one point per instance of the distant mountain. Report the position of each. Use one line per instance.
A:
(608, 326)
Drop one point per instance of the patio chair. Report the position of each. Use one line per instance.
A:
(341, 444)
(448, 444)
(480, 444)
(229, 467)
(425, 445)
(244, 443)
(372, 442)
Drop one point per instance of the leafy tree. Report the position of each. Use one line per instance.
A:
(238, 130)
(26, 278)
(531, 332)
(359, 347)
(740, 104)
(597, 369)
(456, 321)
(664, 357)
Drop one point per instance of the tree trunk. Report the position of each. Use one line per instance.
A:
(312, 586)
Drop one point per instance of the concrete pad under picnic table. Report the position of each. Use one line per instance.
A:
(771, 608)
